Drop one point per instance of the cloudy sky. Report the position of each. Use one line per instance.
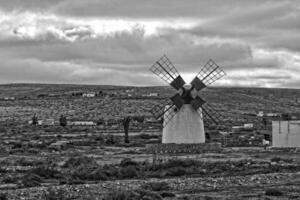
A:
(256, 42)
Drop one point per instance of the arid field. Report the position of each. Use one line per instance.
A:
(49, 161)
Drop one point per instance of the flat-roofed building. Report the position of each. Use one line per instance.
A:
(286, 133)
(82, 123)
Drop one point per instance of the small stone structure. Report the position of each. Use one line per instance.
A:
(183, 148)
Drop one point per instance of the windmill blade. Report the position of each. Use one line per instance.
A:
(210, 73)
(177, 100)
(166, 110)
(209, 113)
(197, 84)
(197, 103)
(167, 72)
(169, 113)
(159, 110)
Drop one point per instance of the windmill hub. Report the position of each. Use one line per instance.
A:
(187, 86)
(187, 94)
(183, 119)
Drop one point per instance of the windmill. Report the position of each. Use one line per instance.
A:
(183, 113)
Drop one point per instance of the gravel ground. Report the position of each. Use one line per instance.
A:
(232, 187)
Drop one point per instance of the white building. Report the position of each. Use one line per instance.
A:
(260, 114)
(248, 126)
(9, 98)
(286, 133)
(90, 94)
(273, 115)
(185, 127)
(39, 122)
(153, 95)
(82, 123)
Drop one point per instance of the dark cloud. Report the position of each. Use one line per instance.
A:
(130, 49)
(140, 8)
(26, 5)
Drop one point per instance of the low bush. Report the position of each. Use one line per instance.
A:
(121, 194)
(148, 195)
(273, 192)
(156, 186)
(99, 174)
(84, 168)
(78, 161)
(147, 136)
(3, 196)
(128, 162)
(30, 180)
(176, 171)
(110, 140)
(55, 194)
(2, 170)
(279, 159)
(46, 172)
(82, 173)
(275, 159)
(26, 162)
(10, 179)
(167, 194)
(128, 172)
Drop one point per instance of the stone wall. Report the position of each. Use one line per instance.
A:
(183, 148)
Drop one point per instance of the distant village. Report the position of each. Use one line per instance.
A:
(88, 94)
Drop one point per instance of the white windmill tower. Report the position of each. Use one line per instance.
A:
(183, 113)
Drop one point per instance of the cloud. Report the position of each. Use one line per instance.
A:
(139, 8)
(34, 5)
(112, 42)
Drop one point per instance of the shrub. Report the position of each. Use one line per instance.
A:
(156, 186)
(178, 163)
(102, 173)
(273, 192)
(128, 162)
(275, 159)
(121, 194)
(2, 170)
(31, 180)
(111, 171)
(99, 174)
(10, 179)
(26, 162)
(128, 172)
(55, 194)
(147, 136)
(63, 121)
(3, 196)
(176, 171)
(99, 138)
(287, 160)
(75, 162)
(167, 194)
(46, 172)
(148, 195)
(82, 173)
(72, 181)
(278, 159)
(110, 140)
